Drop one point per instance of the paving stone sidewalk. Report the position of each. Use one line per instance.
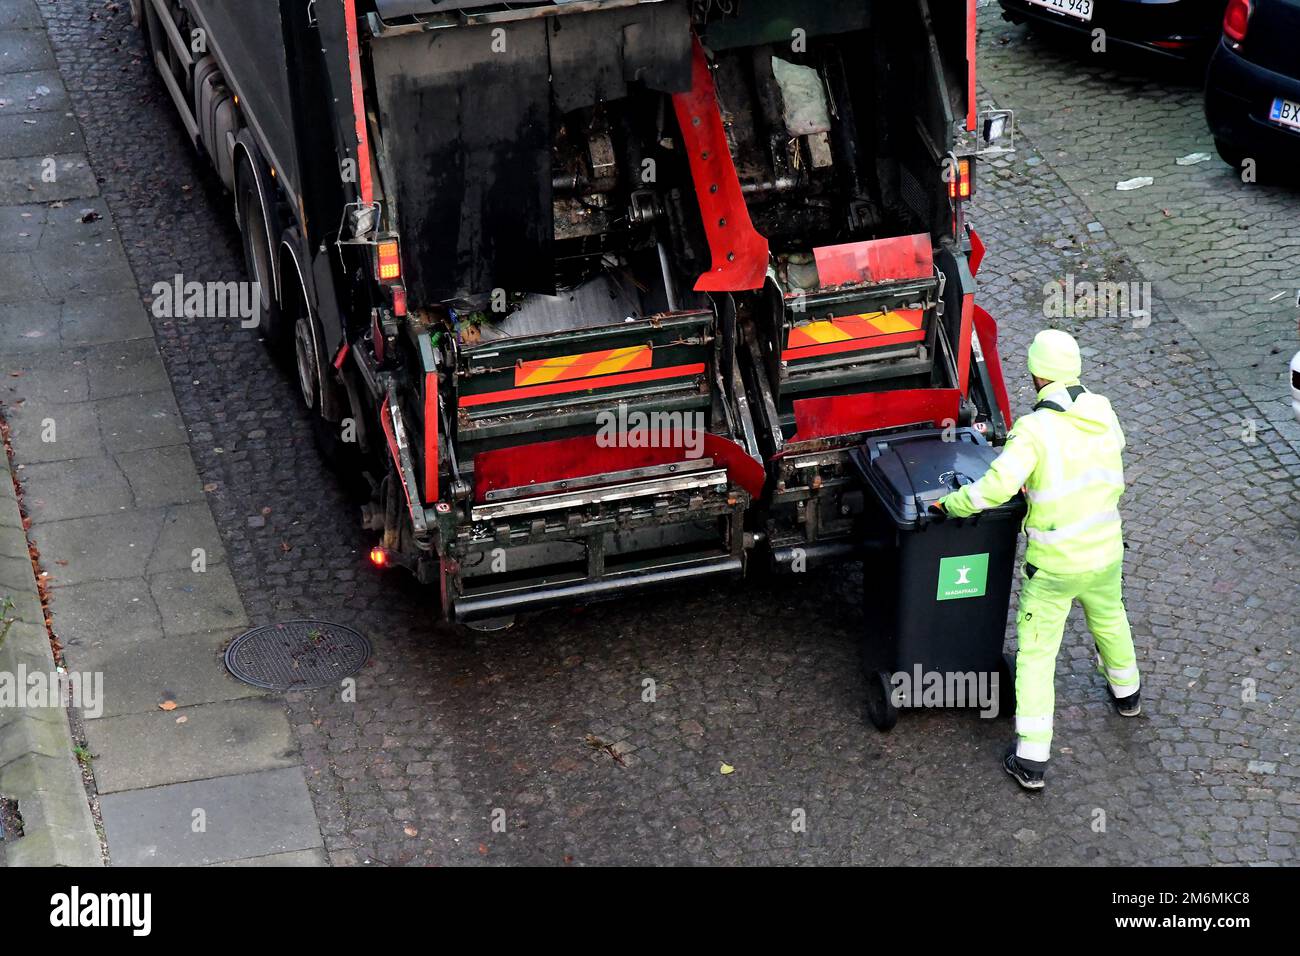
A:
(140, 590)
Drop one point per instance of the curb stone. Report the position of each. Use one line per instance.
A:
(37, 768)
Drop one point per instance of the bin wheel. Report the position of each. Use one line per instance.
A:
(1007, 686)
(880, 709)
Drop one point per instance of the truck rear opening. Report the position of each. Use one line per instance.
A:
(736, 227)
(620, 283)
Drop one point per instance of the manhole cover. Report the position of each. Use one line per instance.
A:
(297, 655)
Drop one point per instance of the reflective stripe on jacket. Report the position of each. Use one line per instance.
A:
(1067, 456)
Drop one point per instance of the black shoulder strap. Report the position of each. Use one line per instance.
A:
(1074, 392)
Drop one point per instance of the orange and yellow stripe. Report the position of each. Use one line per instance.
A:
(852, 332)
(562, 374)
(564, 368)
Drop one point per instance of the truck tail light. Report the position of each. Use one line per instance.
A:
(1236, 19)
(961, 183)
(390, 262)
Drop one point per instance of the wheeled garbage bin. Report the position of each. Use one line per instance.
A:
(936, 588)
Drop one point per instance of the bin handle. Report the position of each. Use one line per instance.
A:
(955, 478)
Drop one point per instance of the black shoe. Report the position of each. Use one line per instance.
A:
(1129, 706)
(1029, 779)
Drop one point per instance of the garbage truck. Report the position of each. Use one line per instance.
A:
(601, 295)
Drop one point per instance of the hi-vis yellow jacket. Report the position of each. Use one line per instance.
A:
(1067, 456)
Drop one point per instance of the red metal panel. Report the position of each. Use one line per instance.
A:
(358, 103)
(987, 330)
(876, 260)
(976, 252)
(739, 253)
(583, 457)
(963, 343)
(430, 437)
(971, 43)
(837, 415)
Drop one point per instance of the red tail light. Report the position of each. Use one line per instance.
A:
(390, 261)
(1236, 19)
(960, 182)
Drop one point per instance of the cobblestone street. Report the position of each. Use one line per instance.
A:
(544, 725)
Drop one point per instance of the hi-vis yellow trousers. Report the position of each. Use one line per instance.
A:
(1045, 601)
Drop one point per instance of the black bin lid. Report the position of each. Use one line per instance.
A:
(910, 471)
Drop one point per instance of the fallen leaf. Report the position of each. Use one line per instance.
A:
(726, 768)
(482, 849)
(168, 705)
(411, 831)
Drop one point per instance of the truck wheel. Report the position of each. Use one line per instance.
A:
(257, 260)
(311, 376)
(880, 708)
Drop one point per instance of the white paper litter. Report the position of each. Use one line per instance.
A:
(1136, 183)
(1191, 159)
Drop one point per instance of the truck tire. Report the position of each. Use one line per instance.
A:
(258, 259)
(312, 371)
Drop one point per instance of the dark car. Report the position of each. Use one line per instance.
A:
(1252, 89)
(1178, 29)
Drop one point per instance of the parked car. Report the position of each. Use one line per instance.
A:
(1178, 29)
(1295, 385)
(1252, 89)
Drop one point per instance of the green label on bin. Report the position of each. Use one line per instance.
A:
(962, 577)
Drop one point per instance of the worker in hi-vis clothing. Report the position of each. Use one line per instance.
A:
(1066, 456)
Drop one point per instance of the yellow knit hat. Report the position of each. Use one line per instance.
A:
(1054, 356)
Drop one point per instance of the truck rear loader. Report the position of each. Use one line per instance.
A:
(600, 295)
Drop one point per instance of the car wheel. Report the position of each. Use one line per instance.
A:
(1229, 154)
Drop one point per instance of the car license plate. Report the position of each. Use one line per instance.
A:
(1285, 113)
(1079, 9)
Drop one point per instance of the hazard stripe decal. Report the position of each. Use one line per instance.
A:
(564, 368)
(852, 332)
(560, 387)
